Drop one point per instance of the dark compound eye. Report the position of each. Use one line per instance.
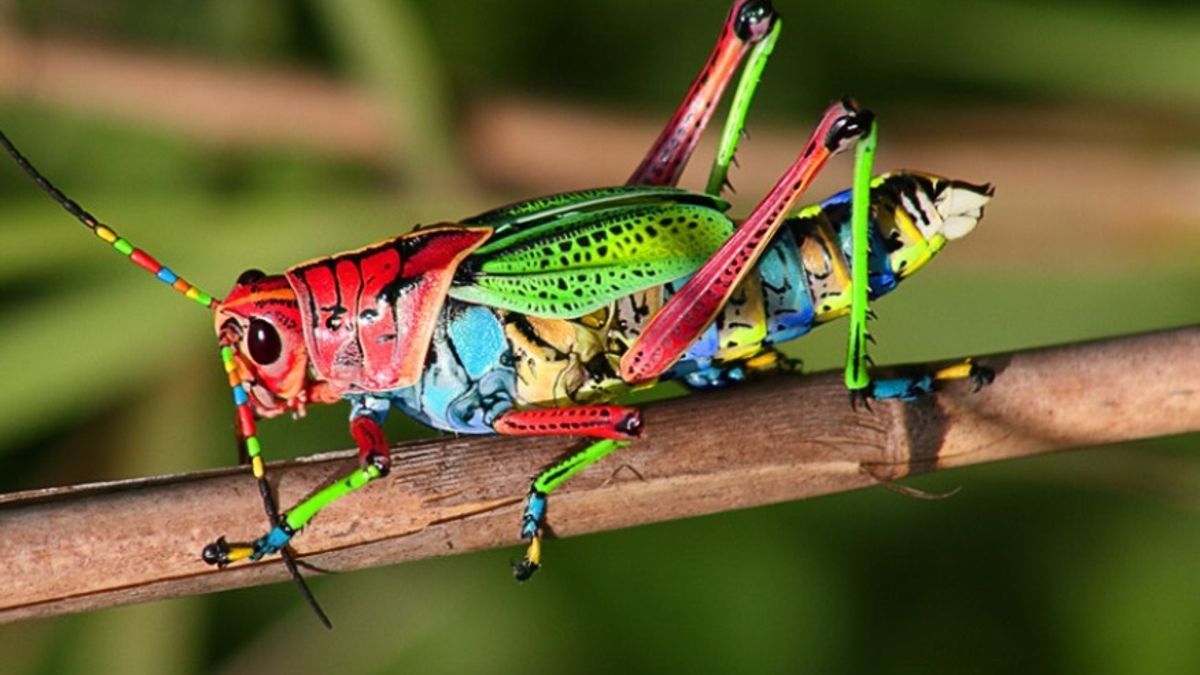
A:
(250, 276)
(263, 342)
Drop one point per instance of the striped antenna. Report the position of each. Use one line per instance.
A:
(108, 235)
(248, 434)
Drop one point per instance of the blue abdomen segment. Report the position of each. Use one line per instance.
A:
(835, 211)
(469, 378)
(788, 302)
(881, 276)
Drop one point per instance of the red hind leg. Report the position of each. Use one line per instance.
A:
(748, 22)
(690, 311)
(616, 422)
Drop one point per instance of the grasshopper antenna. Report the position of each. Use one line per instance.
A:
(165, 275)
(311, 599)
(288, 559)
(136, 255)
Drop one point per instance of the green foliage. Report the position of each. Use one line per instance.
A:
(1075, 563)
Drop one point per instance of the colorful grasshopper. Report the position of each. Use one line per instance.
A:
(527, 319)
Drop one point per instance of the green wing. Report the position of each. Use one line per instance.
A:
(574, 253)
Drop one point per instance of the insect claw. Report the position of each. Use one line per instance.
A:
(216, 553)
(524, 569)
(981, 376)
(860, 396)
(290, 562)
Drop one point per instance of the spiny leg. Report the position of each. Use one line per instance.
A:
(735, 120)
(374, 462)
(535, 506)
(222, 552)
(749, 22)
(863, 387)
(857, 378)
(689, 312)
(614, 425)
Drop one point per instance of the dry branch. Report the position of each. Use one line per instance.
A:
(74, 548)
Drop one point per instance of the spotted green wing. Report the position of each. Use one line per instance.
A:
(575, 263)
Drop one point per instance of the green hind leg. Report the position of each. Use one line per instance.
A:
(748, 24)
(535, 506)
(857, 378)
(735, 121)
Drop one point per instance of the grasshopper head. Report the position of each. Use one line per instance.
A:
(261, 321)
(918, 213)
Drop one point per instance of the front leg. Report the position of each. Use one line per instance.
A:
(374, 460)
(615, 425)
(749, 22)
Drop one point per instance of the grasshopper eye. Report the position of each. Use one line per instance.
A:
(250, 276)
(263, 342)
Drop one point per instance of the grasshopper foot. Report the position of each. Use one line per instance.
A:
(862, 396)
(981, 376)
(222, 553)
(524, 570)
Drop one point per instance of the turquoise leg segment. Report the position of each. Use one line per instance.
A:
(274, 540)
(903, 388)
(535, 511)
(922, 384)
(222, 552)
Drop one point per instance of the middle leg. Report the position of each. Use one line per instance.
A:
(614, 425)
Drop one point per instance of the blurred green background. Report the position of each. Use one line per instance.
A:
(226, 135)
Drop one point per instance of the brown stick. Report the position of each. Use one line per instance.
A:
(75, 548)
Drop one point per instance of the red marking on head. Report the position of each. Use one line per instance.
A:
(368, 315)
